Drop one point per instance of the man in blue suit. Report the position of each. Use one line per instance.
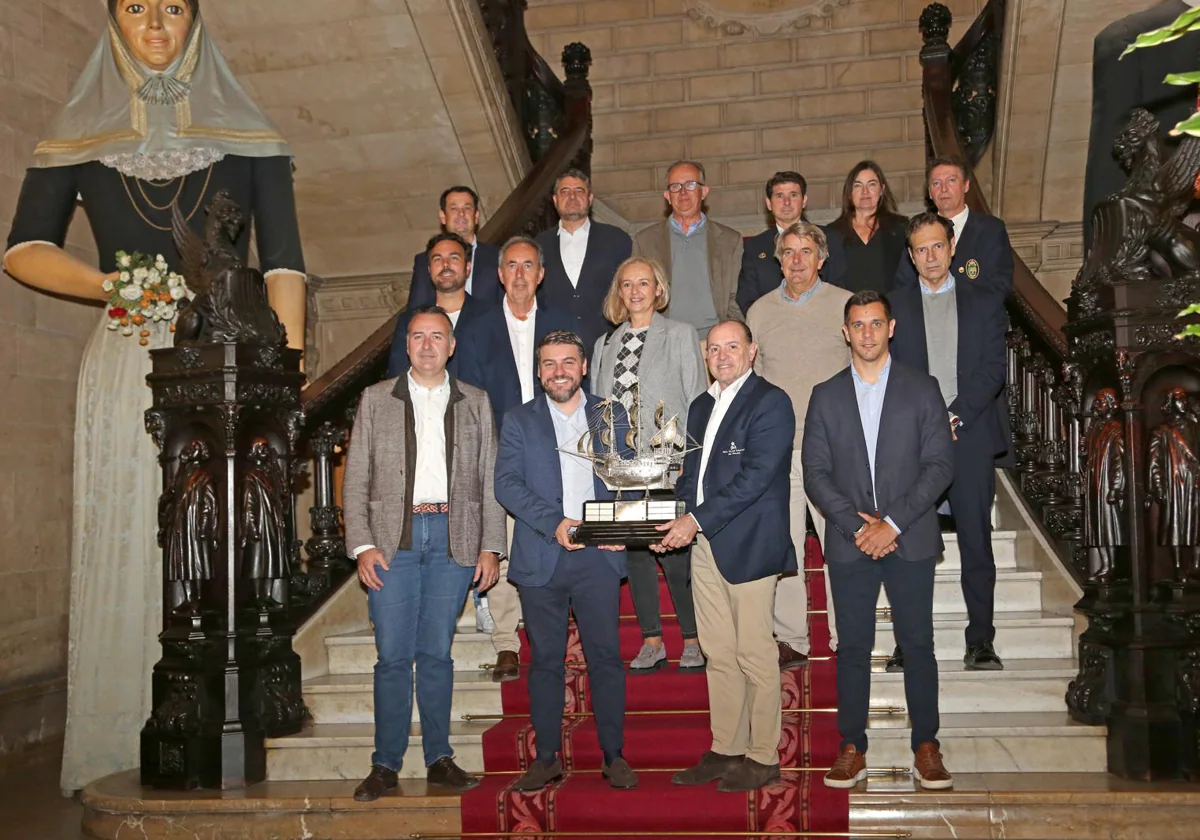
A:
(544, 484)
(954, 331)
(496, 353)
(736, 489)
(450, 257)
(459, 213)
(983, 254)
(787, 196)
(877, 454)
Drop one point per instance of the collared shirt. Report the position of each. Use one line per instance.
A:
(578, 483)
(520, 338)
(572, 247)
(471, 275)
(430, 482)
(804, 296)
(453, 316)
(959, 222)
(947, 286)
(870, 408)
(694, 229)
(724, 398)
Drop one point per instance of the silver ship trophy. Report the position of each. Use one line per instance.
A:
(643, 483)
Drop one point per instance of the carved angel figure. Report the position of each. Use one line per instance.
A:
(230, 300)
(263, 529)
(1174, 476)
(1139, 230)
(1104, 486)
(192, 525)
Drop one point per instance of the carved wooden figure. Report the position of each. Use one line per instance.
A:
(193, 526)
(1104, 452)
(263, 540)
(1174, 477)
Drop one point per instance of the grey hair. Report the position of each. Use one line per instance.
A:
(699, 167)
(804, 230)
(523, 240)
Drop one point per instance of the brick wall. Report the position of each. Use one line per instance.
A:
(43, 46)
(818, 101)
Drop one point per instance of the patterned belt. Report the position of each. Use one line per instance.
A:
(432, 507)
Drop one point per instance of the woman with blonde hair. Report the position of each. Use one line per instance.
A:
(657, 359)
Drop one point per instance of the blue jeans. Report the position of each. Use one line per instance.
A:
(414, 615)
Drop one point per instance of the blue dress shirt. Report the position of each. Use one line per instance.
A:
(578, 482)
(870, 409)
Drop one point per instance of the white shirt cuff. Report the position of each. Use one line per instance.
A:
(895, 527)
(360, 550)
(697, 521)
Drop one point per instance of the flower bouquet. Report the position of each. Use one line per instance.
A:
(144, 292)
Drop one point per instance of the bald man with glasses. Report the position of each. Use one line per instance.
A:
(703, 257)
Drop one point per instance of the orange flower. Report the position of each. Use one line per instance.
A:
(138, 320)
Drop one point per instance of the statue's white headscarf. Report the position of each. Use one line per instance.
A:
(155, 125)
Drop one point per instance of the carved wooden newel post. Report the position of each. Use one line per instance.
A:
(1135, 407)
(225, 417)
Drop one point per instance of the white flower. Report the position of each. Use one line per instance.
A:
(125, 277)
(114, 324)
(123, 260)
(131, 292)
(153, 276)
(178, 293)
(140, 274)
(107, 285)
(168, 312)
(127, 330)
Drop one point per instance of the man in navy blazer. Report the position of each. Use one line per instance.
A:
(496, 353)
(877, 454)
(787, 196)
(544, 485)
(955, 332)
(581, 258)
(983, 254)
(736, 489)
(449, 254)
(459, 214)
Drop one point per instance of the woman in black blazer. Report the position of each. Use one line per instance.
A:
(866, 242)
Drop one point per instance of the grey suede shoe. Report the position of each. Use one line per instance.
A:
(649, 659)
(692, 659)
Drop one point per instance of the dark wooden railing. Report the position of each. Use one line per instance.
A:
(1044, 391)
(557, 122)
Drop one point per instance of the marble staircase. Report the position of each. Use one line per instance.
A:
(992, 722)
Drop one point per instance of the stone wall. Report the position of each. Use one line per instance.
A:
(43, 46)
(817, 100)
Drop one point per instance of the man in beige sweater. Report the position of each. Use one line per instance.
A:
(800, 344)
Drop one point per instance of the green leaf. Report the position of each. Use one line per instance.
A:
(1191, 330)
(1187, 22)
(1194, 309)
(1183, 78)
(1189, 126)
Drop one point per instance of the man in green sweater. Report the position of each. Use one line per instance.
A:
(800, 344)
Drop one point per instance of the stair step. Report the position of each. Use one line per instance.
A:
(1025, 685)
(343, 751)
(349, 698)
(997, 742)
(1016, 591)
(354, 653)
(1019, 635)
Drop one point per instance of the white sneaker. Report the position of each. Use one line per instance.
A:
(484, 622)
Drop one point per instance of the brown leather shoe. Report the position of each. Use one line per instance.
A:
(928, 768)
(379, 782)
(747, 776)
(620, 775)
(790, 658)
(539, 775)
(446, 773)
(508, 667)
(712, 766)
(849, 769)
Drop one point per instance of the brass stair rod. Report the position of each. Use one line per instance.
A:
(877, 771)
(532, 835)
(880, 612)
(488, 666)
(873, 710)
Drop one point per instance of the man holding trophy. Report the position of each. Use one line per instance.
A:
(735, 488)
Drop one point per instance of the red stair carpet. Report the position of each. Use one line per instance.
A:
(658, 739)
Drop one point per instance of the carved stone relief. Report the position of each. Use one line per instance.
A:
(759, 17)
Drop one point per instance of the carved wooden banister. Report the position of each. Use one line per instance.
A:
(557, 122)
(958, 90)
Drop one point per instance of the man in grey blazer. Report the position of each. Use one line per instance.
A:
(881, 526)
(423, 523)
(703, 257)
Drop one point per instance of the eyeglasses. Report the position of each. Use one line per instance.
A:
(690, 186)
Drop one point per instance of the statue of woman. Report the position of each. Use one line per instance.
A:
(262, 533)
(1174, 472)
(1104, 496)
(157, 118)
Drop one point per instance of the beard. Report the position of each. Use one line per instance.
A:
(449, 281)
(561, 393)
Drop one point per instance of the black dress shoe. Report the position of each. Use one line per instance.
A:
(750, 775)
(446, 773)
(620, 775)
(539, 775)
(379, 782)
(982, 657)
(895, 663)
(712, 766)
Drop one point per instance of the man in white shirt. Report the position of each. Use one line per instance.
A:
(458, 212)
(581, 257)
(422, 534)
(496, 353)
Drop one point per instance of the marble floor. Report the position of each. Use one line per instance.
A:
(31, 804)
